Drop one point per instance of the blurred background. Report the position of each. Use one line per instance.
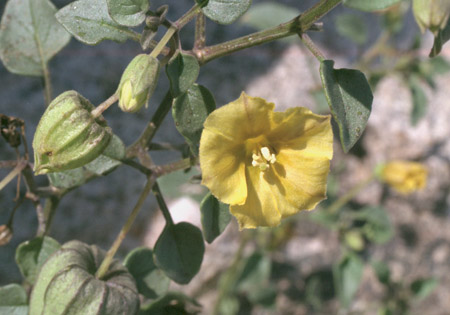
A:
(390, 251)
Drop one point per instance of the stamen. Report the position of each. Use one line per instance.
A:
(261, 161)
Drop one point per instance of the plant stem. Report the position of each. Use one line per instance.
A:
(104, 106)
(162, 43)
(45, 216)
(200, 38)
(311, 46)
(11, 175)
(188, 16)
(103, 269)
(162, 204)
(338, 204)
(47, 84)
(160, 170)
(299, 24)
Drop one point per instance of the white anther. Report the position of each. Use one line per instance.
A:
(265, 153)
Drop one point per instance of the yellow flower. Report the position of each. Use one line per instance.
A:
(404, 176)
(267, 165)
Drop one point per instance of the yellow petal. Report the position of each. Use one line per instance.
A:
(223, 167)
(264, 200)
(405, 176)
(245, 118)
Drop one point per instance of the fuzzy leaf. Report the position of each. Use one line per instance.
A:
(128, 12)
(226, 11)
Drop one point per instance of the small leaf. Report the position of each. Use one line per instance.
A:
(226, 11)
(13, 300)
(255, 272)
(421, 288)
(382, 271)
(419, 99)
(347, 277)
(150, 281)
(171, 303)
(179, 251)
(104, 164)
(31, 255)
(215, 217)
(128, 12)
(90, 23)
(350, 99)
(370, 5)
(189, 111)
(377, 227)
(182, 71)
(30, 36)
(268, 14)
(352, 27)
(442, 37)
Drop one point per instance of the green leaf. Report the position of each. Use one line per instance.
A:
(182, 71)
(179, 251)
(350, 99)
(347, 277)
(268, 14)
(419, 99)
(104, 164)
(370, 5)
(189, 111)
(30, 36)
(171, 303)
(377, 227)
(442, 37)
(31, 255)
(421, 288)
(215, 217)
(13, 300)
(352, 27)
(90, 23)
(128, 12)
(226, 11)
(150, 281)
(255, 273)
(382, 271)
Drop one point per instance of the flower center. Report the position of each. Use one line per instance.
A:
(263, 158)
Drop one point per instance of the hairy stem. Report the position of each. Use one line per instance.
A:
(105, 105)
(311, 46)
(162, 204)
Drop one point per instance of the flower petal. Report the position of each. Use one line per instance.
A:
(264, 201)
(223, 167)
(245, 118)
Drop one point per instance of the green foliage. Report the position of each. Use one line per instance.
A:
(419, 108)
(89, 22)
(350, 99)
(25, 50)
(268, 14)
(382, 272)
(440, 39)
(347, 276)
(182, 71)
(179, 251)
(376, 227)
(226, 11)
(128, 12)
(352, 27)
(151, 282)
(421, 288)
(13, 300)
(171, 303)
(31, 255)
(189, 111)
(215, 217)
(370, 5)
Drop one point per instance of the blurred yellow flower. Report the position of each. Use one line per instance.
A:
(405, 176)
(267, 165)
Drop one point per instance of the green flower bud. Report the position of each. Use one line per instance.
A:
(67, 135)
(431, 14)
(138, 83)
(66, 284)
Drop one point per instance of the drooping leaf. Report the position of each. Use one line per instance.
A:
(179, 251)
(421, 288)
(31, 255)
(30, 36)
(13, 300)
(150, 281)
(189, 111)
(377, 227)
(226, 11)
(382, 271)
(419, 99)
(182, 71)
(442, 37)
(347, 277)
(268, 14)
(215, 217)
(171, 303)
(350, 99)
(89, 22)
(128, 12)
(352, 27)
(105, 163)
(370, 5)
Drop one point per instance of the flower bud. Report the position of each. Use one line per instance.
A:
(138, 83)
(67, 135)
(404, 176)
(5, 234)
(431, 14)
